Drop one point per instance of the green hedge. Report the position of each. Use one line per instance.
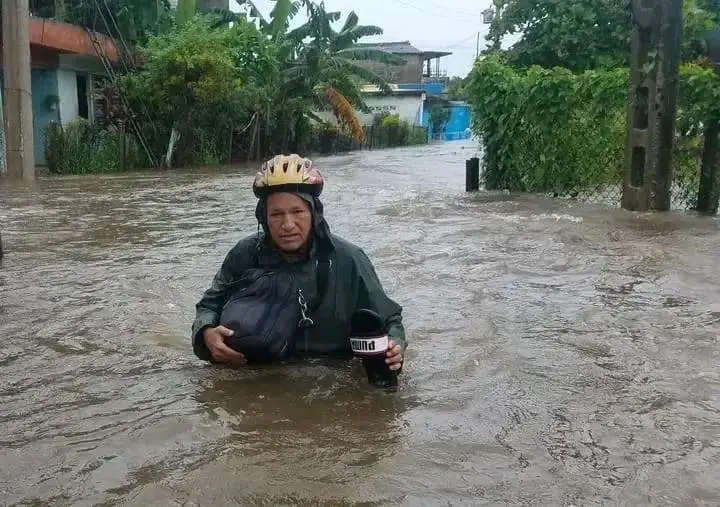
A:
(551, 130)
(82, 148)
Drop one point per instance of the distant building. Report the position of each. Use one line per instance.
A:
(417, 86)
(421, 68)
(408, 104)
(67, 76)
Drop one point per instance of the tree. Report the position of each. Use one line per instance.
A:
(456, 88)
(585, 34)
(319, 65)
(133, 20)
(201, 81)
(325, 68)
(576, 34)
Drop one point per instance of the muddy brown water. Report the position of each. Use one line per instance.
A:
(560, 353)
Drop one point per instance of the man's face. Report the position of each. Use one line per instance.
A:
(289, 221)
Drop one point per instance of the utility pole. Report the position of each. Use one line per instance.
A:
(652, 103)
(18, 94)
(3, 144)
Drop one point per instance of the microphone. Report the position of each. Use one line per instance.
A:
(369, 341)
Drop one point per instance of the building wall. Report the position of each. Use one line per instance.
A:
(39, 56)
(410, 72)
(44, 82)
(80, 63)
(408, 107)
(61, 83)
(68, 94)
(47, 79)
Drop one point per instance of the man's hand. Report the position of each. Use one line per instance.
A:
(215, 341)
(394, 356)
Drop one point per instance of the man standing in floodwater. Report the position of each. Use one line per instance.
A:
(295, 289)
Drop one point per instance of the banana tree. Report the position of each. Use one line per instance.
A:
(319, 67)
(326, 66)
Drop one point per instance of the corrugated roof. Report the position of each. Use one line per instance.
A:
(399, 48)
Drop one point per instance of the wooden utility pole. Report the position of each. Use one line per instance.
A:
(18, 95)
(3, 152)
(652, 103)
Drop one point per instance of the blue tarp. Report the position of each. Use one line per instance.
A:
(457, 126)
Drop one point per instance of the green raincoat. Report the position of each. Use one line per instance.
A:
(352, 284)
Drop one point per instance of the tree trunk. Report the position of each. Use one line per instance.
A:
(172, 144)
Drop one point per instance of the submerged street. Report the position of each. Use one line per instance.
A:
(560, 353)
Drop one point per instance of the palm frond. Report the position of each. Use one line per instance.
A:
(334, 16)
(346, 40)
(367, 75)
(315, 117)
(225, 17)
(350, 89)
(346, 113)
(281, 15)
(300, 33)
(350, 22)
(254, 12)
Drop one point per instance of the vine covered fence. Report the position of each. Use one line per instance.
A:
(563, 133)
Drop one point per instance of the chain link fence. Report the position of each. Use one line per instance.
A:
(557, 133)
(602, 182)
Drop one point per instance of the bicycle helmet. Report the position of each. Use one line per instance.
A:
(288, 173)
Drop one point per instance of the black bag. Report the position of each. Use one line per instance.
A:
(265, 311)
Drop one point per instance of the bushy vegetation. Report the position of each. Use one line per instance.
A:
(552, 130)
(216, 87)
(82, 148)
(551, 112)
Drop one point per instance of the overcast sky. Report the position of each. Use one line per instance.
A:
(430, 25)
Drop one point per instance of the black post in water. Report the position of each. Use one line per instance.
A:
(709, 189)
(472, 174)
(1, 250)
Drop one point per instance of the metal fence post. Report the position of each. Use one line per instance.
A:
(472, 174)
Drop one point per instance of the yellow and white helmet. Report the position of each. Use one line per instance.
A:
(288, 173)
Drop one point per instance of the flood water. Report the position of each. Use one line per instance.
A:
(560, 353)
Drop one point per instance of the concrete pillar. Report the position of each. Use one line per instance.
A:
(18, 95)
(652, 104)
